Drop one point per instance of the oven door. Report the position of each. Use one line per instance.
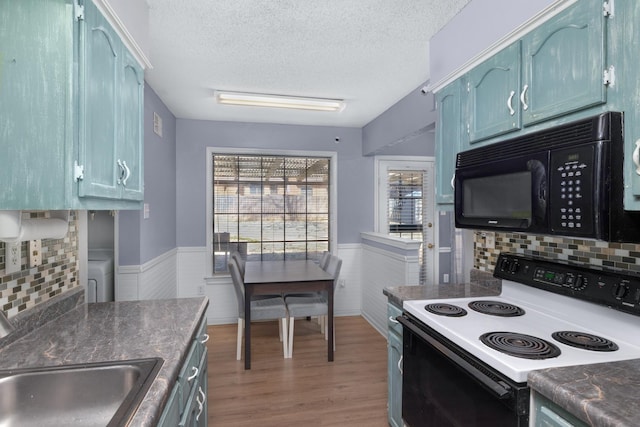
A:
(444, 386)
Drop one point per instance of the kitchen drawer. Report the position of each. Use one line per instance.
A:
(392, 313)
(202, 337)
(188, 375)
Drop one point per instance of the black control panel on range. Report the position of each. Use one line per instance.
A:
(616, 289)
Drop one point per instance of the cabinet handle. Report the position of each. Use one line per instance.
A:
(393, 320)
(400, 364)
(204, 339)
(636, 157)
(522, 97)
(453, 178)
(195, 373)
(200, 404)
(509, 103)
(127, 173)
(122, 171)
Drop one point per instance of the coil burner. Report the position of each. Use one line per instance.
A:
(520, 345)
(584, 341)
(443, 309)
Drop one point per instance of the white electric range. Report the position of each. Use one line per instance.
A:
(548, 314)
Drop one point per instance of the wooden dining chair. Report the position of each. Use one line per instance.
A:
(273, 308)
(316, 305)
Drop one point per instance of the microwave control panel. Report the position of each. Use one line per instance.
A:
(571, 190)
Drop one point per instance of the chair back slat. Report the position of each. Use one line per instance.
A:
(238, 285)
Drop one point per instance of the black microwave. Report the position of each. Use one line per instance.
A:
(566, 180)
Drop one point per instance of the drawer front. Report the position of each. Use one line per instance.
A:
(202, 337)
(392, 313)
(188, 375)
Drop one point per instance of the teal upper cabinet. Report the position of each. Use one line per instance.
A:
(565, 63)
(448, 139)
(111, 113)
(492, 95)
(71, 103)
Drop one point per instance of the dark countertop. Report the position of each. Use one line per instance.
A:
(116, 331)
(602, 395)
(482, 284)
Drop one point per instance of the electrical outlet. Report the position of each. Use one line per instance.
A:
(201, 290)
(12, 257)
(342, 283)
(445, 278)
(35, 253)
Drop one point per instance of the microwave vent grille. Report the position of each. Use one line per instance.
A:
(568, 135)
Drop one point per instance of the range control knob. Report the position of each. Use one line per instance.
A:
(620, 290)
(579, 283)
(513, 268)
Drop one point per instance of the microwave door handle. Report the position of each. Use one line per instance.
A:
(498, 389)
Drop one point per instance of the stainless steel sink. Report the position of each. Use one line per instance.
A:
(97, 394)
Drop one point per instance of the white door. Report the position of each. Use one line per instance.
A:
(406, 207)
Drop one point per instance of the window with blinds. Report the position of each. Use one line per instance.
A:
(269, 207)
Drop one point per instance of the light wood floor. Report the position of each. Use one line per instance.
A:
(305, 390)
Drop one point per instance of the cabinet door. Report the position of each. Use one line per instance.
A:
(36, 58)
(98, 106)
(564, 61)
(448, 137)
(394, 372)
(493, 90)
(130, 145)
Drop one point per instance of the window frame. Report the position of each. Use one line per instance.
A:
(333, 194)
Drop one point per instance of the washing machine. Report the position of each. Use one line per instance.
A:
(100, 280)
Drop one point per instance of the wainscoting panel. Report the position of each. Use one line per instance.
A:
(155, 279)
(383, 267)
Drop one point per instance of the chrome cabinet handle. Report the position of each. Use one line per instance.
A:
(522, 97)
(636, 157)
(195, 373)
(127, 173)
(122, 171)
(400, 364)
(509, 103)
(200, 404)
(204, 339)
(452, 180)
(392, 320)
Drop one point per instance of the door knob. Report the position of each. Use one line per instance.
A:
(429, 225)
(430, 245)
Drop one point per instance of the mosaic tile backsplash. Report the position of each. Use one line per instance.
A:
(58, 272)
(579, 251)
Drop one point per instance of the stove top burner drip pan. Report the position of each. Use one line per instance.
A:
(496, 308)
(443, 309)
(584, 341)
(520, 345)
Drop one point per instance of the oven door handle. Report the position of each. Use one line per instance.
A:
(499, 390)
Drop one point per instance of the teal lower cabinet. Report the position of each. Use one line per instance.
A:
(545, 413)
(394, 369)
(187, 403)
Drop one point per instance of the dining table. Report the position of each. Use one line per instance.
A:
(286, 276)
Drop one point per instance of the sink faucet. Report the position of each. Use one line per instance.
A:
(5, 327)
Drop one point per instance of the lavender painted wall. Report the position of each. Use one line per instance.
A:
(355, 173)
(406, 128)
(476, 27)
(142, 240)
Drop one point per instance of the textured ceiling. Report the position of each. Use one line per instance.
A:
(369, 52)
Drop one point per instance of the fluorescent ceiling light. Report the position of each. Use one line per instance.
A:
(279, 101)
